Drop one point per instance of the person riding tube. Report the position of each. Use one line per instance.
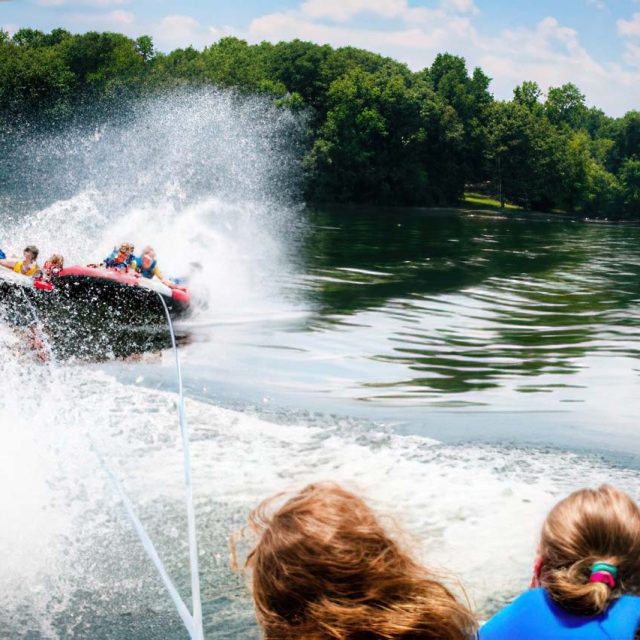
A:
(121, 258)
(52, 267)
(146, 265)
(27, 266)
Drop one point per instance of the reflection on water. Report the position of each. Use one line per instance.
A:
(471, 302)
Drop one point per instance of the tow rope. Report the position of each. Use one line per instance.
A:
(192, 620)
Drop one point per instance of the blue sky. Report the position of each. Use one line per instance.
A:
(593, 43)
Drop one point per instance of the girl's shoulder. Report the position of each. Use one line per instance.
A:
(534, 615)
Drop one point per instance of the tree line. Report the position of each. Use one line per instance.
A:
(377, 132)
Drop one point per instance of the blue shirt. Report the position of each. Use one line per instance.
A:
(534, 616)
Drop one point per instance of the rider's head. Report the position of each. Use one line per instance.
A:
(126, 248)
(148, 256)
(590, 550)
(31, 252)
(54, 264)
(325, 567)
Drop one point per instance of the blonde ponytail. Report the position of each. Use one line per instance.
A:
(586, 529)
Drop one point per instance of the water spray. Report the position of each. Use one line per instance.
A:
(191, 620)
(39, 329)
(205, 176)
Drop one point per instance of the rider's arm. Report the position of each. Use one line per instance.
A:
(8, 263)
(165, 281)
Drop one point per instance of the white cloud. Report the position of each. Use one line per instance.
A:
(182, 31)
(598, 4)
(106, 3)
(85, 3)
(629, 28)
(444, 30)
(118, 20)
(171, 32)
(122, 17)
(460, 6)
(632, 55)
(9, 28)
(342, 10)
(179, 26)
(552, 55)
(345, 10)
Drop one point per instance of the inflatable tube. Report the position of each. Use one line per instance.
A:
(93, 312)
(127, 283)
(122, 294)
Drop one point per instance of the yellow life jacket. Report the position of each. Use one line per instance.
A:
(31, 271)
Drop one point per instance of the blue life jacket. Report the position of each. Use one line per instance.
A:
(534, 616)
(2, 255)
(110, 260)
(145, 273)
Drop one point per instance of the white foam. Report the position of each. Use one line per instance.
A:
(472, 510)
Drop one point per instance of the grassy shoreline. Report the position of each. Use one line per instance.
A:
(481, 201)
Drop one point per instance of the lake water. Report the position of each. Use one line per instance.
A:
(473, 318)
(462, 370)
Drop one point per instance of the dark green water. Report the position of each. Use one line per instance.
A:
(459, 314)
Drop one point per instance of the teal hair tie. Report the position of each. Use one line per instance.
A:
(605, 566)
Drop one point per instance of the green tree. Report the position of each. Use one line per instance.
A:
(573, 170)
(525, 154)
(298, 66)
(630, 186)
(625, 133)
(470, 98)
(33, 80)
(104, 64)
(144, 46)
(30, 38)
(604, 197)
(565, 106)
(232, 62)
(528, 95)
(370, 147)
(377, 131)
(179, 66)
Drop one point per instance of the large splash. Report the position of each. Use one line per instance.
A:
(209, 178)
(76, 570)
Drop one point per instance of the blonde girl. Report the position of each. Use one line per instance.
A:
(586, 577)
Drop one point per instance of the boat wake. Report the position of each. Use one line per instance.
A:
(472, 509)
